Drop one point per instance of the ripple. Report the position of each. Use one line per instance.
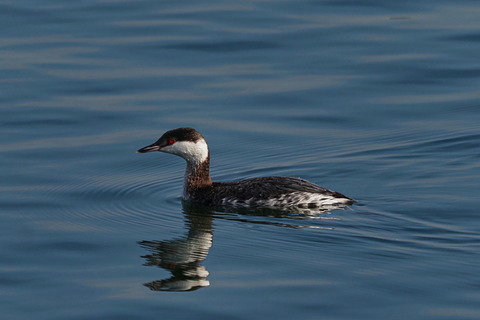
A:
(132, 199)
(225, 46)
(284, 220)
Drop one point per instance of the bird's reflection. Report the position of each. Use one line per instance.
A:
(183, 256)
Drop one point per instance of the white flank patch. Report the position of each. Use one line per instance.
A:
(294, 199)
(193, 152)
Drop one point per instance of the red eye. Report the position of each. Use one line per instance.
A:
(170, 141)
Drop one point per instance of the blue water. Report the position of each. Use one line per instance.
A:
(379, 100)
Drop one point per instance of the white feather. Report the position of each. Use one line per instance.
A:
(192, 152)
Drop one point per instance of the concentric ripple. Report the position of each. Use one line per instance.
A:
(130, 199)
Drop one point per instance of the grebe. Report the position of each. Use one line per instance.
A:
(268, 192)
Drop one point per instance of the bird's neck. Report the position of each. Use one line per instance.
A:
(197, 175)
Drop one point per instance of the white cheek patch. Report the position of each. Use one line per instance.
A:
(190, 151)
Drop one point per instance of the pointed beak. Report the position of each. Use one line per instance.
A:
(150, 148)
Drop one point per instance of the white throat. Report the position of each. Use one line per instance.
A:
(193, 152)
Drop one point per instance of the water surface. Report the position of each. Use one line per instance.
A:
(378, 100)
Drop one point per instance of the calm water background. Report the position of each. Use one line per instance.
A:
(379, 100)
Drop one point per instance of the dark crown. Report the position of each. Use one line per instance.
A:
(182, 134)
